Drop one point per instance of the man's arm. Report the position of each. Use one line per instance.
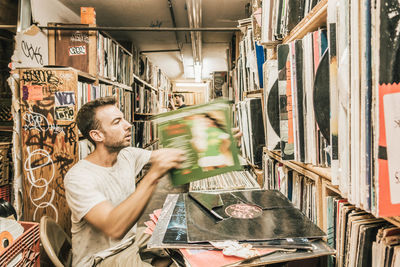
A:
(172, 104)
(117, 221)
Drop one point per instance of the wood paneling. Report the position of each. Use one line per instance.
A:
(49, 138)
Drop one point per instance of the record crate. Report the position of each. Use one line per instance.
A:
(25, 250)
(5, 192)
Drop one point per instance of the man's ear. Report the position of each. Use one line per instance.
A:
(96, 136)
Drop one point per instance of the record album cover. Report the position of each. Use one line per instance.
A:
(204, 133)
(246, 215)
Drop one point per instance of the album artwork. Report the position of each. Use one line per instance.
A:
(174, 233)
(245, 216)
(204, 133)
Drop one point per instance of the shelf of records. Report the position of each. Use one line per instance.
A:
(92, 52)
(247, 75)
(319, 112)
(230, 181)
(357, 236)
(249, 120)
(285, 20)
(289, 20)
(301, 187)
(89, 91)
(157, 80)
(146, 100)
(144, 133)
(192, 98)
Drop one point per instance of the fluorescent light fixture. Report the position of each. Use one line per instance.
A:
(197, 72)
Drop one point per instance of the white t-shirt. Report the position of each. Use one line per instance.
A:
(86, 185)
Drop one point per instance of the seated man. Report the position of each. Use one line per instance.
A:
(101, 191)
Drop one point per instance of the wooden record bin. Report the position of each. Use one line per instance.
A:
(93, 52)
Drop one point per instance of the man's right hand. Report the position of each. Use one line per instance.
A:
(163, 160)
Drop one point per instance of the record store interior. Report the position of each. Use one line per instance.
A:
(197, 133)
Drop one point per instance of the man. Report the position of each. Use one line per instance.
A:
(101, 193)
(179, 100)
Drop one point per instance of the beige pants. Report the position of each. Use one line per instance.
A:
(132, 255)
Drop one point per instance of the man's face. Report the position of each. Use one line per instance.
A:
(178, 100)
(116, 130)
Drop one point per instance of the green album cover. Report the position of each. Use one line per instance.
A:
(204, 132)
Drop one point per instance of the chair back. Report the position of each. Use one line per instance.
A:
(56, 242)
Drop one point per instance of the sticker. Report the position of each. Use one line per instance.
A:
(64, 98)
(32, 92)
(243, 211)
(64, 113)
(77, 50)
(391, 109)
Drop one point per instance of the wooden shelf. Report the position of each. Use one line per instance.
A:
(255, 93)
(86, 76)
(107, 81)
(393, 220)
(311, 22)
(150, 144)
(309, 172)
(271, 44)
(115, 41)
(320, 171)
(146, 114)
(314, 172)
(6, 128)
(145, 83)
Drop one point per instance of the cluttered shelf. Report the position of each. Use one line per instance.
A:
(120, 85)
(255, 93)
(305, 169)
(86, 76)
(309, 23)
(144, 83)
(151, 143)
(313, 172)
(394, 220)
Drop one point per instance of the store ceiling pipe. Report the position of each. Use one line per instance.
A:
(195, 17)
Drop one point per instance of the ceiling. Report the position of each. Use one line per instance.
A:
(156, 13)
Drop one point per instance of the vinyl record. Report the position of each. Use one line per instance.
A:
(10, 230)
(273, 107)
(5, 240)
(141, 67)
(321, 96)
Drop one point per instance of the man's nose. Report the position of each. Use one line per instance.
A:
(128, 125)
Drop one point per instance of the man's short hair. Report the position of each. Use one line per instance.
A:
(86, 118)
(181, 96)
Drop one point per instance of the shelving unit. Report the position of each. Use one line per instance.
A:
(324, 178)
(311, 22)
(256, 93)
(120, 85)
(360, 186)
(145, 83)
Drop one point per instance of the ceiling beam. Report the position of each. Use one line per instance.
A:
(155, 29)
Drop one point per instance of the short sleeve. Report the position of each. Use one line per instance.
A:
(81, 192)
(137, 157)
